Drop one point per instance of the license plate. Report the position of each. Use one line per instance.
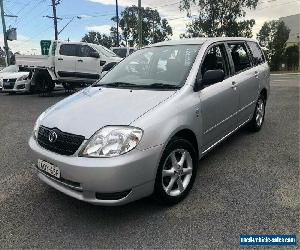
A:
(48, 168)
(7, 84)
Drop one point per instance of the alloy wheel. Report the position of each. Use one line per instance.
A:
(177, 172)
(260, 111)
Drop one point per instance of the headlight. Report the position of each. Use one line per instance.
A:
(112, 141)
(37, 125)
(22, 78)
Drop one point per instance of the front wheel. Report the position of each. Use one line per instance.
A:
(259, 114)
(176, 172)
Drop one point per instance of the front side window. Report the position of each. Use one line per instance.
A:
(86, 51)
(120, 52)
(215, 59)
(68, 50)
(257, 54)
(240, 57)
(154, 66)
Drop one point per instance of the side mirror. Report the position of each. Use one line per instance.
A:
(94, 54)
(210, 77)
(109, 66)
(213, 76)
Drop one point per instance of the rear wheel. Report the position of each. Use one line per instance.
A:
(176, 172)
(44, 83)
(259, 114)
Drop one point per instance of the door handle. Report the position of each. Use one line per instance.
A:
(79, 60)
(60, 59)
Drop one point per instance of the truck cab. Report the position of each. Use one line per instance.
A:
(68, 63)
(81, 61)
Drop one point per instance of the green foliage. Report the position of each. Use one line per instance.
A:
(292, 57)
(97, 38)
(273, 37)
(219, 18)
(154, 28)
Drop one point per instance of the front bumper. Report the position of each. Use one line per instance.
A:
(87, 179)
(20, 87)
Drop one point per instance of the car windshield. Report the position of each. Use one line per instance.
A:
(153, 67)
(9, 69)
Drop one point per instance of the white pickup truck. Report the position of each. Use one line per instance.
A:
(69, 64)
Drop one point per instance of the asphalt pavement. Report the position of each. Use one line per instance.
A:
(247, 185)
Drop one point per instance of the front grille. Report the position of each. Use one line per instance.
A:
(9, 83)
(65, 143)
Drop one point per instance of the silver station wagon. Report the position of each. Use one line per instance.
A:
(142, 128)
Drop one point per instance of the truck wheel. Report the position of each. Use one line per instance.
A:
(44, 83)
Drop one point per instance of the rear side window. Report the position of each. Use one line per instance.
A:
(68, 50)
(257, 54)
(240, 57)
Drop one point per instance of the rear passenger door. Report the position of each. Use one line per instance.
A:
(65, 61)
(245, 79)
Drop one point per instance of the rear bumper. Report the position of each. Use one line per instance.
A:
(87, 179)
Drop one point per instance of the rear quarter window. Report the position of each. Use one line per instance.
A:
(257, 54)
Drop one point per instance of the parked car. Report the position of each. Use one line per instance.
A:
(143, 127)
(69, 63)
(123, 51)
(17, 82)
(7, 71)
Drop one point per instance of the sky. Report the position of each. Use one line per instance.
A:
(32, 25)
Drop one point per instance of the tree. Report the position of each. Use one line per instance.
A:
(219, 18)
(273, 36)
(154, 28)
(98, 38)
(292, 57)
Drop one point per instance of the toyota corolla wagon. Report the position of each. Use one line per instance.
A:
(142, 128)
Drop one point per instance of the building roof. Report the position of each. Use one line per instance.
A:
(292, 22)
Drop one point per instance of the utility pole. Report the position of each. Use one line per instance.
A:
(4, 34)
(117, 15)
(55, 19)
(140, 35)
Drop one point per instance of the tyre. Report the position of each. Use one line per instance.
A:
(259, 114)
(44, 83)
(176, 172)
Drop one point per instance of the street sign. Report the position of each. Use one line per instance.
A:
(45, 46)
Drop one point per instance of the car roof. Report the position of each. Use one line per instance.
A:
(200, 40)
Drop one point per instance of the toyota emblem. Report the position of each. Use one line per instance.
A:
(52, 136)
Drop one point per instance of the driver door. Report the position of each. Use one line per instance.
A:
(87, 65)
(218, 101)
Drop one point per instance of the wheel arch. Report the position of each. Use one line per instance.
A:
(264, 93)
(189, 135)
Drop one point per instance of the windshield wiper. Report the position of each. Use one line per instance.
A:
(115, 84)
(163, 86)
